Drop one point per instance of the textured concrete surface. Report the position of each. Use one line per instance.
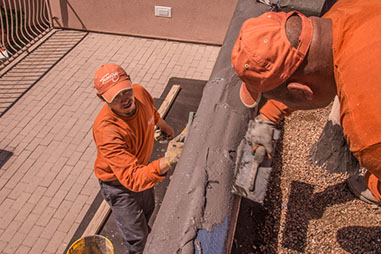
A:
(198, 209)
(47, 152)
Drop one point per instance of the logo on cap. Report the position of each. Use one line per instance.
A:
(114, 77)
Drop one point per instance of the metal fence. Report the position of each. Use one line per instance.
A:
(23, 22)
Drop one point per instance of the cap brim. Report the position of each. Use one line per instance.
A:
(249, 99)
(111, 93)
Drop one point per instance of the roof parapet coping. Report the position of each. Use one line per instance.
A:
(199, 194)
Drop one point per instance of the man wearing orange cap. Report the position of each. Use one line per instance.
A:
(124, 134)
(301, 63)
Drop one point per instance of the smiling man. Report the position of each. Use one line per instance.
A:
(124, 134)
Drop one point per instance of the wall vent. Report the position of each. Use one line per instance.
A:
(162, 11)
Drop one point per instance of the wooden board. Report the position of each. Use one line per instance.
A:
(99, 218)
(165, 106)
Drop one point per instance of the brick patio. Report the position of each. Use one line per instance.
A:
(46, 163)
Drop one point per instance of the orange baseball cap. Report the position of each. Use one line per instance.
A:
(110, 80)
(263, 57)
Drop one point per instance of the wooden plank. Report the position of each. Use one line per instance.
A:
(98, 220)
(104, 209)
(171, 96)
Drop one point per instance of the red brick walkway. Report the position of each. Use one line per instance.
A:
(47, 152)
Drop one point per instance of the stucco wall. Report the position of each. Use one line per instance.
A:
(193, 20)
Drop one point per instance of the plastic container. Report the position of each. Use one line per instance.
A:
(94, 244)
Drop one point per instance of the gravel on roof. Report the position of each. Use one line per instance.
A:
(307, 209)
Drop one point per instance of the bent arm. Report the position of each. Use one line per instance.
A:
(116, 159)
(274, 111)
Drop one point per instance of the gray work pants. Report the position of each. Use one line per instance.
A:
(132, 211)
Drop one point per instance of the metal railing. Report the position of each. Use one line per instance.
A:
(22, 23)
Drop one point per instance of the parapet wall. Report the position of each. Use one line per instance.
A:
(197, 212)
(196, 21)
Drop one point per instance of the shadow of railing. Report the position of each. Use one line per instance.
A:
(15, 82)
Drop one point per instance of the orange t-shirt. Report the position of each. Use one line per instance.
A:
(356, 30)
(124, 145)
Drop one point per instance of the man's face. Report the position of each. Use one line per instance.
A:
(124, 103)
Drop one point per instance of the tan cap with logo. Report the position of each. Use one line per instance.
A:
(110, 80)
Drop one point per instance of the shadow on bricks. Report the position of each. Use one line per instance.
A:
(4, 157)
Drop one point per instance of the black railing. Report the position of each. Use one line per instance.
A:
(22, 23)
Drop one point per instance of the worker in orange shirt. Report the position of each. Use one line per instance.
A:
(301, 63)
(124, 134)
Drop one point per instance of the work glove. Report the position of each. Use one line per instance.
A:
(260, 133)
(174, 149)
(160, 135)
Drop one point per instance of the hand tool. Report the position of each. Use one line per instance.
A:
(252, 171)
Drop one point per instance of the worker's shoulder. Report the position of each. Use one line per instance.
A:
(355, 11)
(141, 93)
(105, 118)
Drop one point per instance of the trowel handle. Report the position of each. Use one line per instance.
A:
(259, 155)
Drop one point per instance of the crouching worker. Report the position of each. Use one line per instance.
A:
(124, 134)
(302, 63)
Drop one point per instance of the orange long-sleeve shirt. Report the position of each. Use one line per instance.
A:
(124, 145)
(356, 28)
(275, 111)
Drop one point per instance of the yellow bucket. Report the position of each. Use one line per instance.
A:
(94, 244)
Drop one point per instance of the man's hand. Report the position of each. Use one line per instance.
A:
(260, 133)
(174, 150)
(163, 131)
(160, 135)
(169, 132)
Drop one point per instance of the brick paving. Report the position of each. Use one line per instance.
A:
(46, 148)
(25, 74)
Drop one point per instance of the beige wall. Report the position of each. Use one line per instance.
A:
(193, 20)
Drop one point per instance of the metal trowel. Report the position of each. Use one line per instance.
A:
(251, 179)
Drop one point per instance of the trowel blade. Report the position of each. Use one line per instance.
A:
(243, 171)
